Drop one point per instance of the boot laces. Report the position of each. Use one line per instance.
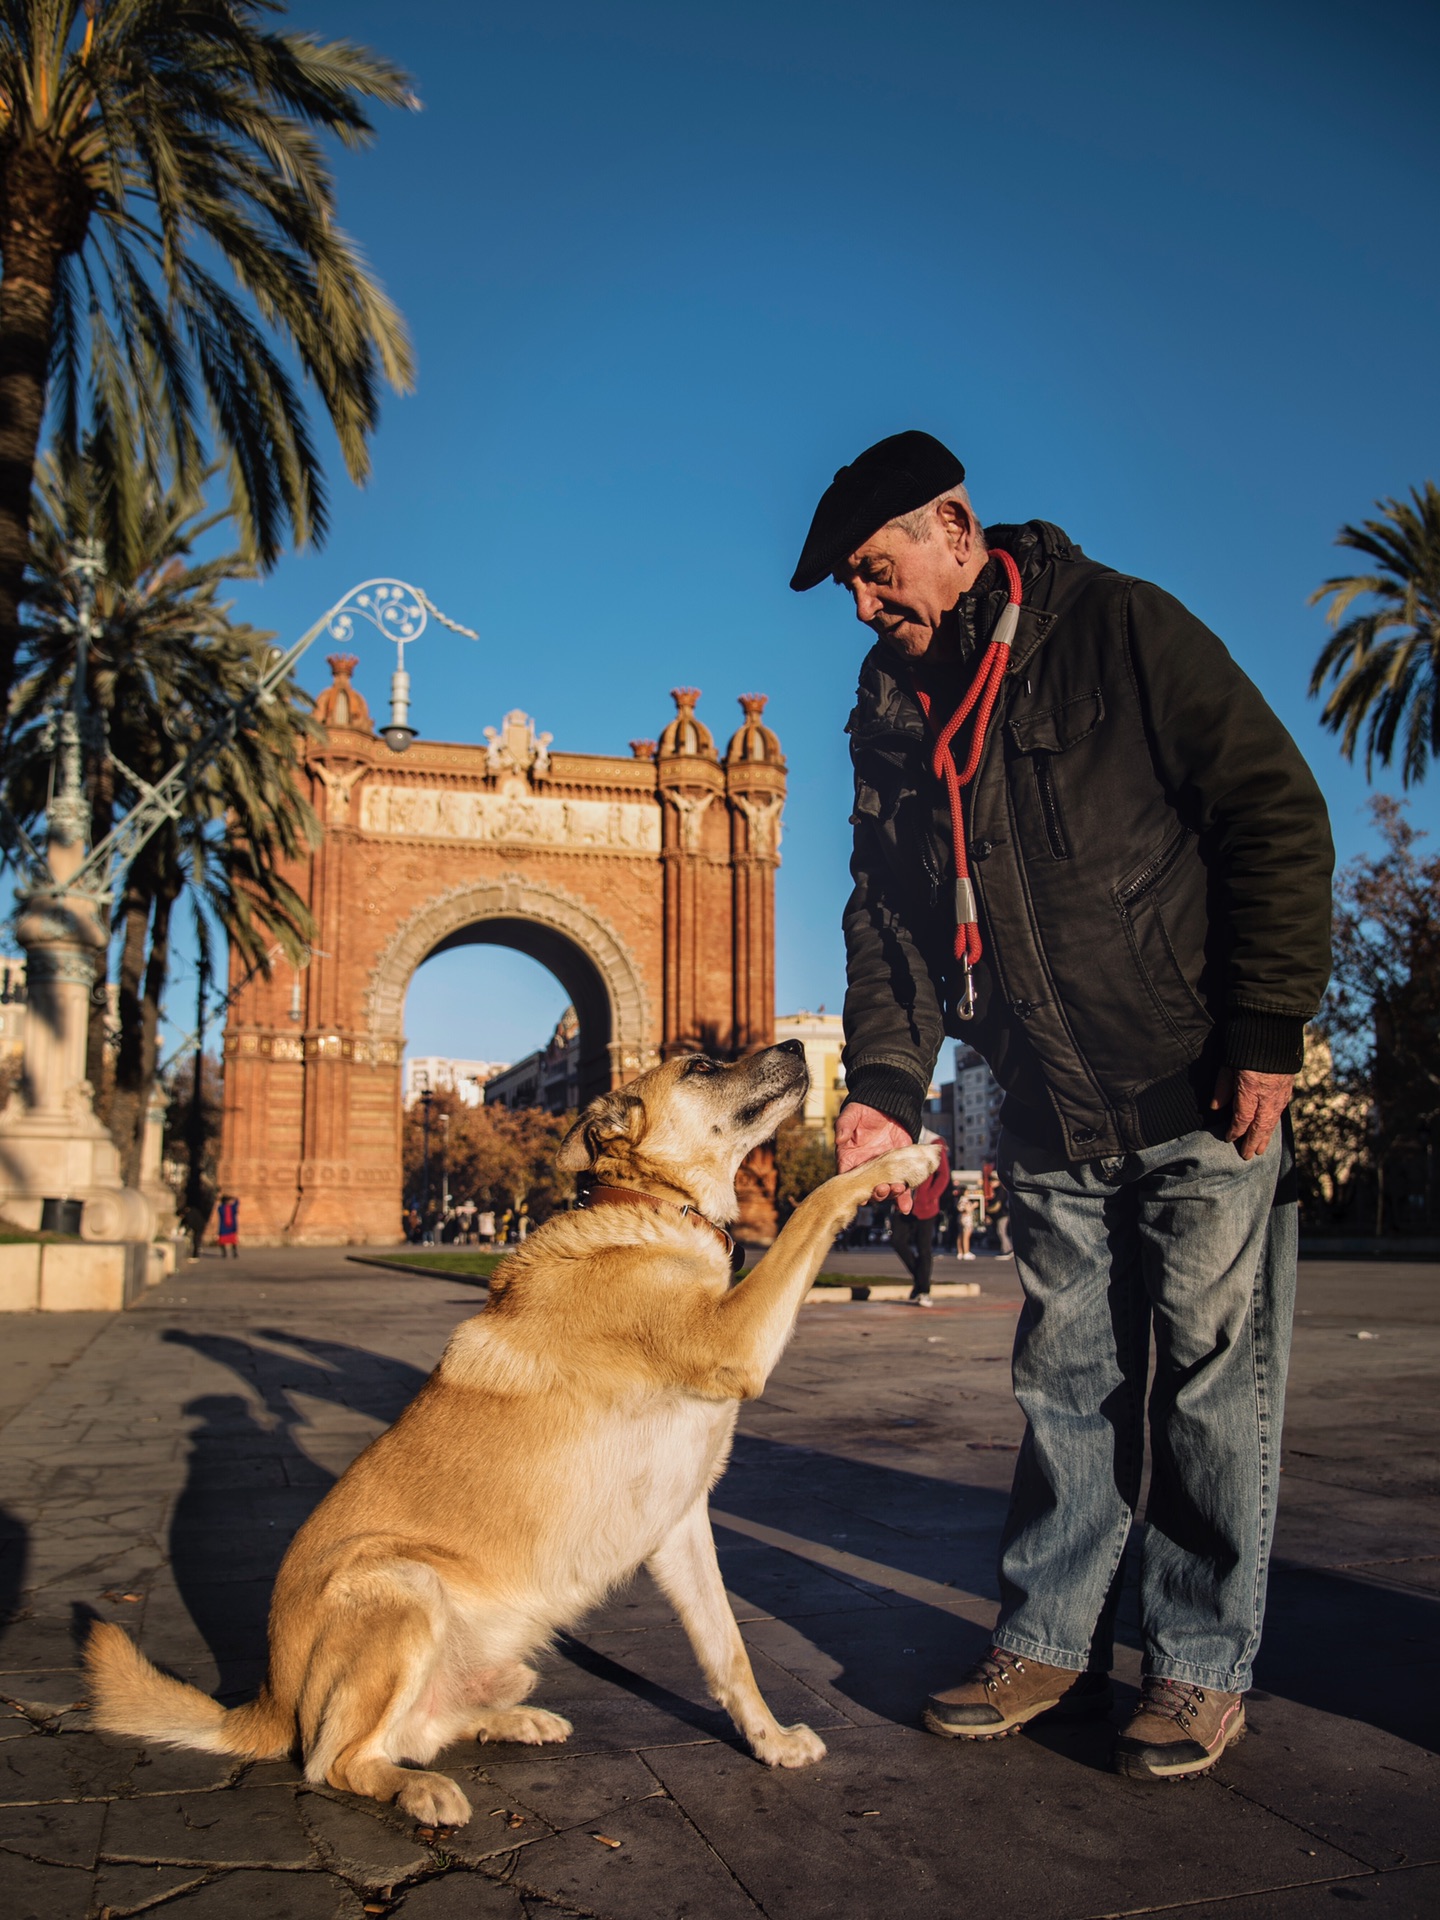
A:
(1176, 1700)
(997, 1666)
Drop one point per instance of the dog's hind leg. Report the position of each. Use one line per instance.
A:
(362, 1705)
(499, 1715)
(688, 1573)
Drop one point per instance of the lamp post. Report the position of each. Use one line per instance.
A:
(51, 1142)
(427, 1100)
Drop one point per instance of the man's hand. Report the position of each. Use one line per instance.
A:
(861, 1135)
(1256, 1102)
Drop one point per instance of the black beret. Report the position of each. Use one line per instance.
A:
(894, 476)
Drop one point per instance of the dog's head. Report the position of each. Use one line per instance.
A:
(684, 1129)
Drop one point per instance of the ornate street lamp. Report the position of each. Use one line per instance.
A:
(50, 1132)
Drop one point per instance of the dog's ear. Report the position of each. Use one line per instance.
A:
(614, 1116)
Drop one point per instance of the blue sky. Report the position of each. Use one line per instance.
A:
(1166, 276)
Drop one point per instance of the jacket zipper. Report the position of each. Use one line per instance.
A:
(930, 867)
(1148, 875)
(1050, 807)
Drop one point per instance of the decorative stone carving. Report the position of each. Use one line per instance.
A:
(514, 819)
(763, 818)
(690, 811)
(337, 782)
(515, 749)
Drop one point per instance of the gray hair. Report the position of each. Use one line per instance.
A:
(919, 525)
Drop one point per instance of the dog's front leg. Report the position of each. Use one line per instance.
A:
(685, 1567)
(758, 1315)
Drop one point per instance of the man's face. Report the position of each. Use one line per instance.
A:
(903, 588)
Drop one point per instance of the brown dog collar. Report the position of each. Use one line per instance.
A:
(597, 1195)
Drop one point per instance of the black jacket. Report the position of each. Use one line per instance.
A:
(1150, 853)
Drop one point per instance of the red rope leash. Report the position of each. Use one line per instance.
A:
(980, 700)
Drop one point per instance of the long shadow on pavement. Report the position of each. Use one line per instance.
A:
(1345, 1646)
(250, 1484)
(1349, 1647)
(14, 1554)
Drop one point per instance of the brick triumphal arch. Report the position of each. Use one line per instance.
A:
(645, 884)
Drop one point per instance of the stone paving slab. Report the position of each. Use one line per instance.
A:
(156, 1463)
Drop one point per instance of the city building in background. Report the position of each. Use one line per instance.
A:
(823, 1037)
(938, 1116)
(976, 1114)
(548, 1079)
(432, 1073)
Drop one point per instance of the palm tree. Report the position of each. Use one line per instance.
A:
(141, 143)
(1385, 662)
(167, 664)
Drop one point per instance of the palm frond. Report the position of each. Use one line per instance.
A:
(188, 126)
(1382, 666)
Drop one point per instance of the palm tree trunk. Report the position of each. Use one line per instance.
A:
(32, 215)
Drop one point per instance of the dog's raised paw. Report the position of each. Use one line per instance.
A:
(913, 1165)
(791, 1747)
(531, 1726)
(433, 1800)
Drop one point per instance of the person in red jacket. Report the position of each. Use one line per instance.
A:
(228, 1225)
(913, 1235)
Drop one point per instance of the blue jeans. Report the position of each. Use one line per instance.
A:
(1199, 1245)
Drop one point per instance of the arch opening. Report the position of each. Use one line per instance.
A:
(577, 974)
(564, 934)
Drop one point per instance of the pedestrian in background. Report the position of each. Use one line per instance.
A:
(913, 1234)
(967, 1225)
(227, 1226)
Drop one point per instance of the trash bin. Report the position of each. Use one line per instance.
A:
(60, 1216)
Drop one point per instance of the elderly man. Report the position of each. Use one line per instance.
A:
(1084, 841)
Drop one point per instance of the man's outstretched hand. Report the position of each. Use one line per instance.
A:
(1256, 1102)
(862, 1135)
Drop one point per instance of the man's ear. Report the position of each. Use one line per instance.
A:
(614, 1116)
(957, 527)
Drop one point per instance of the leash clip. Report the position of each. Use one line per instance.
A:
(965, 1004)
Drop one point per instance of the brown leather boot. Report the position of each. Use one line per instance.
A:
(1178, 1730)
(1005, 1690)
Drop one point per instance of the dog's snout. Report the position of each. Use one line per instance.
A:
(791, 1046)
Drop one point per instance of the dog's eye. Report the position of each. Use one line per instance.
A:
(701, 1065)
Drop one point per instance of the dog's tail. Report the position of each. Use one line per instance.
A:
(130, 1695)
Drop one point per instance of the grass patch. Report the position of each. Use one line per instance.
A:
(470, 1263)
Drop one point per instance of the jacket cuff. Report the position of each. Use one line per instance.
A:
(1264, 1042)
(891, 1091)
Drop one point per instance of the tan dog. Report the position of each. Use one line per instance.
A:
(569, 1436)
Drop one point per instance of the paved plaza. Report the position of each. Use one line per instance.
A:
(156, 1463)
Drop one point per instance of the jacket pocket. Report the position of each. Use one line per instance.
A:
(1042, 736)
(1157, 900)
(1050, 807)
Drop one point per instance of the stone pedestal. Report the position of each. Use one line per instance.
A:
(52, 1145)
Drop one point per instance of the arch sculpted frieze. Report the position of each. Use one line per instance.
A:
(526, 820)
(514, 897)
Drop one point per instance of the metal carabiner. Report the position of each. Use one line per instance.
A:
(965, 1004)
